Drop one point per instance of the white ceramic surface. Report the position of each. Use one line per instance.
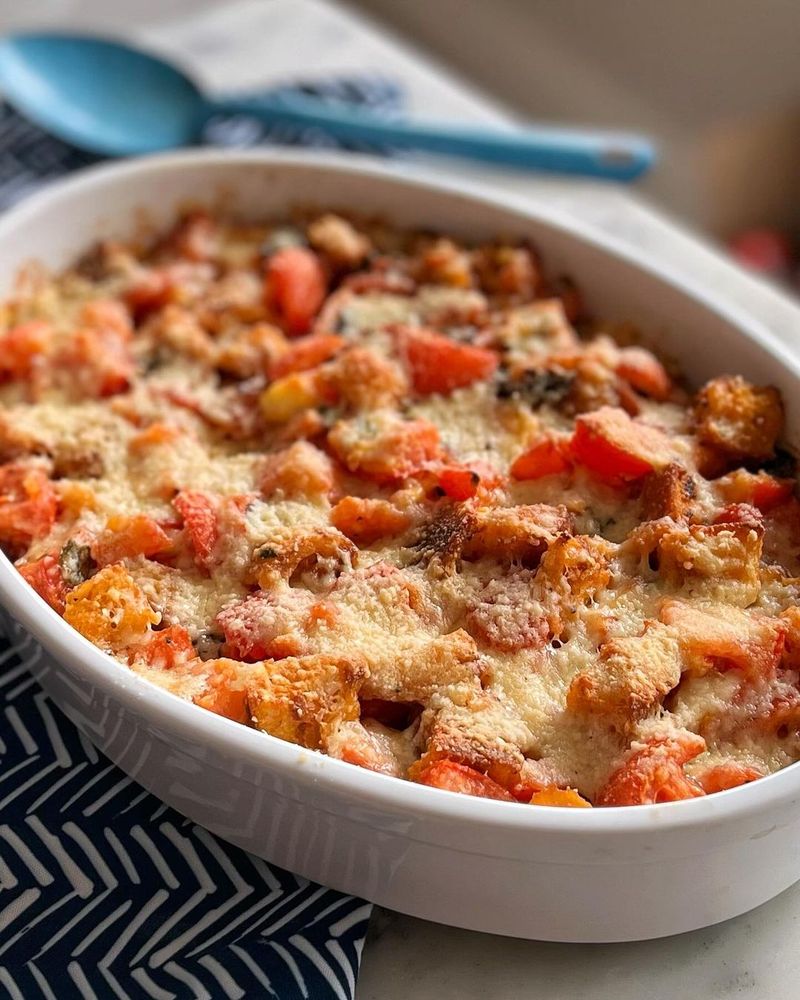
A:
(551, 874)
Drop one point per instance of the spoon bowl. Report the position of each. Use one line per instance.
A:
(100, 95)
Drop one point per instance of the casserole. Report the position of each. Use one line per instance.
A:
(299, 810)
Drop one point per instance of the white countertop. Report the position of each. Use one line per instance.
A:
(754, 956)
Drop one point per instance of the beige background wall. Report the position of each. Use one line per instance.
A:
(716, 81)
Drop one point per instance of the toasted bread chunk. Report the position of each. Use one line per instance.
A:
(741, 420)
(303, 699)
(519, 534)
(671, 492)
(630, 678)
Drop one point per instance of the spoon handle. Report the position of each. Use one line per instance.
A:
(607, 155)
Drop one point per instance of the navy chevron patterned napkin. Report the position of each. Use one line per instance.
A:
(105, 891)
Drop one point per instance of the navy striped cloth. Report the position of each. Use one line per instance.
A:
(105, 891)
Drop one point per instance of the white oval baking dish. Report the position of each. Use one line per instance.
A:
(546, 873)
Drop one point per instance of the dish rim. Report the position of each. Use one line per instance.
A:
(156, 706)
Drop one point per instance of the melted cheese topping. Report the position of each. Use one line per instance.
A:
(379, 498)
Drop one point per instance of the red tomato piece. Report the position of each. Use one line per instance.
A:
(757, 488)
(462, 482)
(127, 537)
(28, 505)
(169, 648)
(108, 314)
(781, 717)
(547, 457)
(44, 575)
(227, 702)
(616, 448)
(729, 775)
(295, 286)
(299, 470)
(769, 492)
(457, 482)
(102, 360)
(21, 346)
(306, 353)
(438, 364)
(156, 434)
(101, 350)
(563, 797)
(199, 513)
(654, 774)
(644, 372)
(150, 292)
(364, 750)
(454, 777)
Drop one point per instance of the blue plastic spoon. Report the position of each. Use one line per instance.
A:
(111, 99)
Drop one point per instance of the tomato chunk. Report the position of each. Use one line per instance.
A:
(438, 364)
(454, 777)
(152, 290)
(28, 505)
(108, 314)
(44, 575)
(21, 346)
(101, 360)
(644, 372)
(127, 537)
(168, 648)
(654, 774)
(547, 457)
(199, 513)
(757, 488)
(741, 513)
(295, 286)
(158, 433)
(615, 448)
(224, 694)
(222, 701)
(503, 616)
(299, 470)
(306, 353)
(554, 796)
(457, 482)
(728, 775)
